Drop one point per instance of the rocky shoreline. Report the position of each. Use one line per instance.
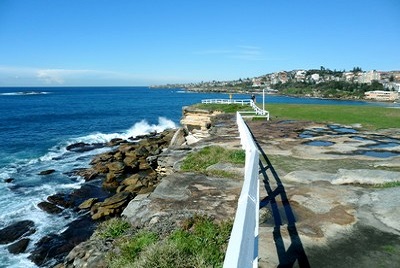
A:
(141, 181)
(130, 170)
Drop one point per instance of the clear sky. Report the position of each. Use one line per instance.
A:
(146, 42)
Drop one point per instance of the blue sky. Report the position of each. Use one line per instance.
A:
(128, 42)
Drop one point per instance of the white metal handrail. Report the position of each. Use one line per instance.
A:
(242, 251)
(227, 101)
(258, 111)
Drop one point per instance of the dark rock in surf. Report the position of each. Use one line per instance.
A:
(81, 147)
(49, 207)
(9, 180)
(16, 230)
(115, 142)
(47, 172)
(61, 199)
(52, 248)
(19, 246)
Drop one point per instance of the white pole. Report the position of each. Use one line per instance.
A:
(263, 100)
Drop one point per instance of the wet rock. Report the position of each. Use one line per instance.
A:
(81, 147)
(47, 172)
(9, 180)
(87, 173)
(91, 189)
(53, 248)
(19, 246)
(49, 207)
(16, 230)
(61, 199)
(115, 142)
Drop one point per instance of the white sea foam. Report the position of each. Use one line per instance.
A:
(23, 93)
(139, 128)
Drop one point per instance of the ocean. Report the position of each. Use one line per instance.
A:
(37, 124)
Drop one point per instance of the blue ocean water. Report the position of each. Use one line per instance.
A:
(36, 125)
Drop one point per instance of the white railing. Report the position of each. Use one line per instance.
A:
(258, 111)
(227, 101)
(242, 249)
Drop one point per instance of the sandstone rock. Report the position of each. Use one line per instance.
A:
(134, 187)
(102, 158)
(111, 206)
(116, 200)
(90, 253)
(146, 190)
(87, 173)
(132, 180)
(16, 230)
(128, 148)
(131, 161)
(100, 168)
(19, 246)
(116, 167)
(142, 151)
(118, 156)
(143, 165)
(178, 139)
(49, 207)
(87, 204)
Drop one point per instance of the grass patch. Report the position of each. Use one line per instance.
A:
(389, 249)
(200, 242)
(111, 229)
(226, 108)
(369, 117)
(130, 249)
(210, 155)
(388, 184)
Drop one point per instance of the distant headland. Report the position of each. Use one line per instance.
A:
(322, 83)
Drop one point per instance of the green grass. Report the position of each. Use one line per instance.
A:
(199, 242)
(130, 249)
(210, 155)
(112, 228)
(226, 108)
(388, 184)
(369, 117)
